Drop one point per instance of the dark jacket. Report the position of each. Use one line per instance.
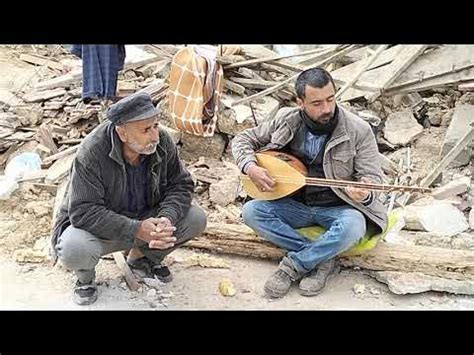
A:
(350, 153)
(98, 184)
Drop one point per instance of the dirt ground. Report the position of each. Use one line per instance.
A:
(38, 286)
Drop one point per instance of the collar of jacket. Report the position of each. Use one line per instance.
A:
(339, 134)
(116, 149)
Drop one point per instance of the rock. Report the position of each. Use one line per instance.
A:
(151, 293)
(29, 115)
(39, 209)
(7, 227)
(435, 116)
(234, 119)
(471, 219)
(28, 255)
(460, 124)
(228, 188)
(175, 134)
(407, 100)
(167, 295)
(402, 128)
(226, 288)
(359, 288)
(196, 146)
(435, 216)
(370, 116)
(453, 188)
(402, 283)
(123, 286)
(374, 291)
(154, 283)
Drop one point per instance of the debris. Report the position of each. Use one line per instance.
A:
(359, 289)
(453, 188)
(402, 128)
(154, 283)
(196, 146)
(435, 216)
(374, 291)
(471, 219)
(151, 294)
(402, 283)
(206, 261)
(460, 124)
(226, 288)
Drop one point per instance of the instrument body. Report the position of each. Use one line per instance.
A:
(290, 175)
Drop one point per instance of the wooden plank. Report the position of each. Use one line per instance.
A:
(64, 153)
(361, 70)
(466, 86)
(126, 272)
(254, 83)
(447, 263)
(40, 60)
(435, 63)
(404, 59)
(59, 169)
(271, 58)
(45, 137)
(447, 79)
(237, 88)
(290, 79)
(76, 74)
(448, 158)
(43, 95)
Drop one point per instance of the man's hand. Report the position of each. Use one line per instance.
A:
(358, 194)
(158, 232)
(260, 178)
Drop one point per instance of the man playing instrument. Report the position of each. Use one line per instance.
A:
(333, 144)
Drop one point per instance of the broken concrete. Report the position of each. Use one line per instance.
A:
(234, 119)
(463, 116)
(196, 146)
(453, 188)
(435, 116)
(402, 128)
(225, 191)
(436, 216)
(402, 283)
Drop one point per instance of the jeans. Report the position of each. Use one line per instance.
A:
(277, 221)
(80, 251)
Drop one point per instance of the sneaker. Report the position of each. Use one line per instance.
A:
(313, 283)
(143, 267)
(85, 293)
(280, 281)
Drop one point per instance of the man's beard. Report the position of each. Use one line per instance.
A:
(147, 150)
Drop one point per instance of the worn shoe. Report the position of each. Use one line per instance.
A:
(85, 293)
(143, 267)
(280, 281)
(313, 283)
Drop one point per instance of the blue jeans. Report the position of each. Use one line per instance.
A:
(278, 220)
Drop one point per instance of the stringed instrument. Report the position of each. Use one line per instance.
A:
(290, 175)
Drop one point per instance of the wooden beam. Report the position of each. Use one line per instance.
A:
(405, 58)
(290, 79)
(40, 60)
(361, 71)
(126, 272)
(452, 154)
(60, 155)
(447, 263)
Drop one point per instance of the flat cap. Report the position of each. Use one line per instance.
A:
(135, 107)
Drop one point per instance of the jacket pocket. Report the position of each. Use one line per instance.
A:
(343, 164)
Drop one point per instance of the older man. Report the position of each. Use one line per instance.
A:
(128, 191)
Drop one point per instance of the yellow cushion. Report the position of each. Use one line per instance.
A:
(368, 242)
